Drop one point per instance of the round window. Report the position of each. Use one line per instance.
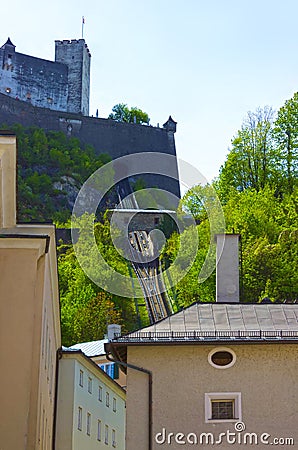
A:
(222, 358)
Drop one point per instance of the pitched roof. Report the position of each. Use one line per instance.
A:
(8, 42)
(218, 320)
(93, 348)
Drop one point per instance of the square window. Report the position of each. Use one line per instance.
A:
(112, 369)
(223, 407)
(107, 399)
(90, 385)
(81, 379)
(80, 418)
(88, 424)
(99, 430)
(100, 393)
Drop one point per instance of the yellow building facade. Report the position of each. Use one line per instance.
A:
(29, 319)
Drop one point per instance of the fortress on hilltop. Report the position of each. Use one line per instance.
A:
(63, 85)
(54, 95)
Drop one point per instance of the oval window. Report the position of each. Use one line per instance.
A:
(222, 358)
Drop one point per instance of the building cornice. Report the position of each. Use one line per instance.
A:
(78, 354)
(28, 242)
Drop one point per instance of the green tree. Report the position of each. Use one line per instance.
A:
(79, 296)
(286, 137)
(267, 225)
(138, 116)
(201, 202)
(92, 319)
(251, 162)
(258, 188)
(122, 113)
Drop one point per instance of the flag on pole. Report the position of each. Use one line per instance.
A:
(83, 23)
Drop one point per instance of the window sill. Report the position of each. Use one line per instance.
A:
(222, 420)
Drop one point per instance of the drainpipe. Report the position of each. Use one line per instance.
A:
(149, 373)
(58, 357)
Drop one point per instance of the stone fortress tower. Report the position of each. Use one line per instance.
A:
(76, 56)
(63, 85)
(54, 96)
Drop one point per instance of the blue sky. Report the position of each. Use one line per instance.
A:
(207, 63)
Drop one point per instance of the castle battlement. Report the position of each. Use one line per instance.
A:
(73, 41)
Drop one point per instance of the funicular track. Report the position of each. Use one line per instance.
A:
(146, 267)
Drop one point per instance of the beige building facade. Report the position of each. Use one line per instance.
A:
(29, 319)
(221, 375)
(91, 406)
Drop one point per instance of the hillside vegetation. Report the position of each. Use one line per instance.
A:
(51, 170)
(258, 189)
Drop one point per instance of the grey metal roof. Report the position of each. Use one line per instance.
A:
(218, 320)
(93, 348)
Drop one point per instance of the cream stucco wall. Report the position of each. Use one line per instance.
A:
(29, 320)
(264, 374)
(28, 348)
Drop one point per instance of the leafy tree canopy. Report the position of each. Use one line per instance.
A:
(81, 299)
(122, 113)
(258, 188)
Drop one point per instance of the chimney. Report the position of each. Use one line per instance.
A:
(7, 179)
(227, 268)
(113, 331)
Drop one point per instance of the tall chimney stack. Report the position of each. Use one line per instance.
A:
(227, 268)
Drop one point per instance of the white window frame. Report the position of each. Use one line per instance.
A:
(107, 399)
(221, 349)
(235, 396)
(107, 434)
(90, 385)
(88, 424)
(81, 378)
(114, 438)
(100, 393)
(114, 404)
(99, 430)
(80, 415)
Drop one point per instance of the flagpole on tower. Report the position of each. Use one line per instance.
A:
(83, 23)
